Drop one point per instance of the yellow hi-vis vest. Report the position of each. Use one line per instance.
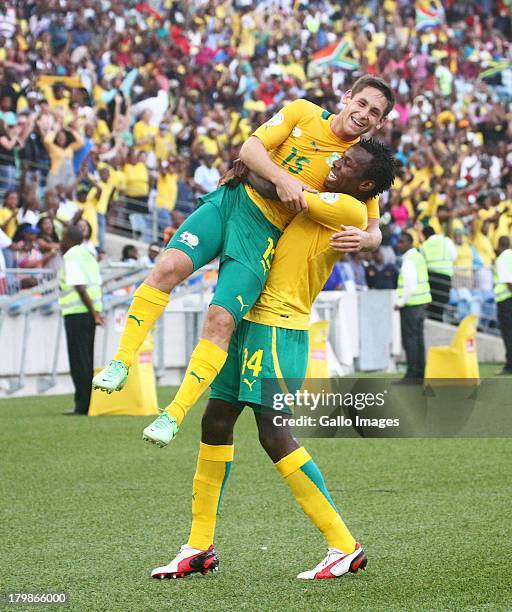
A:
(436, 254)
(501, 290)
(421, 294)
(70, 301)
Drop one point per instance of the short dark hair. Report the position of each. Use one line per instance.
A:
(504, 242)
(407, 236)
(382, 170)
(126, 250)
(74, 234)
(428, 231)
(377, 83)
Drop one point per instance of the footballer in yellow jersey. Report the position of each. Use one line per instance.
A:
(264, 351)
(271, 341)
(301, 141)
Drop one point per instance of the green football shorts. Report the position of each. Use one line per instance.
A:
(229, 225)
(262, 360)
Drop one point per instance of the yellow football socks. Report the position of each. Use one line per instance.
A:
(308, 486)
(147, 306)
(212, 471)
(205, 363)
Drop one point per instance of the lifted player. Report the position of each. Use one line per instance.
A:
(243, 227)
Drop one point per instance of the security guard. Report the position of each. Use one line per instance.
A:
(503, 297)
(439, 253)
(80, 302)
(413, 296)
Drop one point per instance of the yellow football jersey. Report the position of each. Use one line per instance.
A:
(300, 140)
(304, 260)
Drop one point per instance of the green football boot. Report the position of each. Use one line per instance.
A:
(111, 378)
(161, 431)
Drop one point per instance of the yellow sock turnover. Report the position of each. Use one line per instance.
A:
(308, 486)
(147, 306)
(205, 363)
(212, 471)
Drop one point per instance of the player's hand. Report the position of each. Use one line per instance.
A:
(237, 174)
(99, 318)
(291, 192)
(350, 240)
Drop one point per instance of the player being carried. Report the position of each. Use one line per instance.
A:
(271, 343)
(295, 151)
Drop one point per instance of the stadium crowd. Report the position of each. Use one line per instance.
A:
(122, 114)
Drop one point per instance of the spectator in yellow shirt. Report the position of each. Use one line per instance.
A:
(104, 190)
(166, 193)
(165, 144)
(207, 144)
(136, 176)
(480, 240)
(144, 136)
(61, 146)
(86, 202)
(8, 213)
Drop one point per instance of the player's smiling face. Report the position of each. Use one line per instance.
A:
(346, 175)
(363, 112)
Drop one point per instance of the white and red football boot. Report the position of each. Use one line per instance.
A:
(336, 564)
(188, 561)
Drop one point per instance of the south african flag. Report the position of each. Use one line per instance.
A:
(338, 54)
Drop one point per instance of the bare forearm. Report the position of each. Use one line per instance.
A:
(256, 158)
(375, 235)
(84, 296)
(264, 187)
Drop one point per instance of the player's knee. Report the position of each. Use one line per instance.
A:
(219, 322)
(217, 426)
(169, 271)
(277, 444)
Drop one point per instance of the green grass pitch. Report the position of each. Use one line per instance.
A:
(88, 508)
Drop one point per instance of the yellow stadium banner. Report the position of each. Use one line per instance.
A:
(318, 366)
(138, 397)
(48, 80)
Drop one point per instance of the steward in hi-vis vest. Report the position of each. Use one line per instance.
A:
(503, 297)
(413, 295)
(81, 306)
(439, 253)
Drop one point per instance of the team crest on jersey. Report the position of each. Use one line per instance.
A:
(296, 132)
(191, 240)
(275, 120)
(332, 158)
(329, 198)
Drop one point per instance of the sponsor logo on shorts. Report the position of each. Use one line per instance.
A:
(332, 158)
(249, 383)
(241, 300)
(191, 240)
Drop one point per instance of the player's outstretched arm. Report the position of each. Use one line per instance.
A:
(352, 239)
